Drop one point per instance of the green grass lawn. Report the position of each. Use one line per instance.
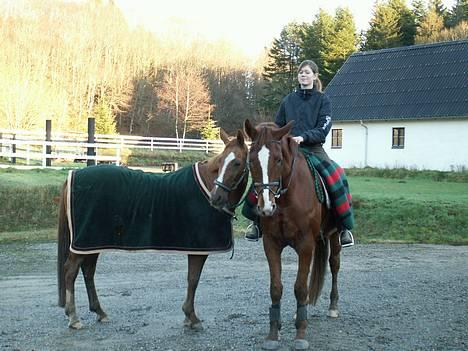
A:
(409, 189)
(386, 209)
(18, 178)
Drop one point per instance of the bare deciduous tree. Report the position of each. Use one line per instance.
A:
(186, 98)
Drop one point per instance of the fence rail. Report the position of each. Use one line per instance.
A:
(72, 146)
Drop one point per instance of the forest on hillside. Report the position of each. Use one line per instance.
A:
(68, 61)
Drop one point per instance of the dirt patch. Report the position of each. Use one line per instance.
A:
(392, 297)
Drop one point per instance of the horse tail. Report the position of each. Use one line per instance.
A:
(63, 248)
(319, 268)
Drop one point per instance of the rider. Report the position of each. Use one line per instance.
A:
(311, 111)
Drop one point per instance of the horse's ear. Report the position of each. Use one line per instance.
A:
(250, 130)
(279, 133)
(224, 136)
(240, 137)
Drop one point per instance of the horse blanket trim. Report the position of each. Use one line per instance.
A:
(218, 226)
(337, 186)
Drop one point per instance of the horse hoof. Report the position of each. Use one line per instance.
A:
(103, 319)
(270, 345)
(333, 313)
(75, 325)
(197, 326)
(301, 344)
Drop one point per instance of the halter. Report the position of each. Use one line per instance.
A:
(278, 183)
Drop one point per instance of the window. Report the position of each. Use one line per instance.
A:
(398, 138)
(337, 138)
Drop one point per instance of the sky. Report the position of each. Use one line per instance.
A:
(250, 25)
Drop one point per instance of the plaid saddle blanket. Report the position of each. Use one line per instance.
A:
(337, 187)
(112, 207)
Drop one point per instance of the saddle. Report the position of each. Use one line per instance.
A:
(331, 182)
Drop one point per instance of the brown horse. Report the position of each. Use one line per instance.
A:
(291, 215)
(225, 176)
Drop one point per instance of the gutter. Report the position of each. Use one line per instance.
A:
(365, 142)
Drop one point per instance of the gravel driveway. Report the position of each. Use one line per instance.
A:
(392, 297)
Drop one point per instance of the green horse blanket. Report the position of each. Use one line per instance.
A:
(112, 207)
(337, 187)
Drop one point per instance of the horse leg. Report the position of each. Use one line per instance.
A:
(273, 254)
(301, 292)
(88, 268)
(71, 268)
(334, 261)
(195, 266)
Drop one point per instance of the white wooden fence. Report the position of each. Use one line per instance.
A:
(73, 146)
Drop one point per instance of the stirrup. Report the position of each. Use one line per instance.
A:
(349, 236)
(252, 233)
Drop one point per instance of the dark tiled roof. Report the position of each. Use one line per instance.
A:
(413, 82)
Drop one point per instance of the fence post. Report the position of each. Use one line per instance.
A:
(48, 161)
(91, 150)
(13, 149)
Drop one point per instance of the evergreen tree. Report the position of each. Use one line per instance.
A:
(419, 11)
(209, 131)
(430, 25)
(384, 31)
(104, 118)
(438, 7)
(406, 22)
(457, 14)
(280, 73)
(342, 43)
(317, 37)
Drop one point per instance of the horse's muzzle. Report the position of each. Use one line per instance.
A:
(267, 211)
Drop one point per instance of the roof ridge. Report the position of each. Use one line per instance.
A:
(410, 47)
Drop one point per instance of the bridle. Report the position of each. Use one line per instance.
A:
(230, 189)
(280, 190)
(231, 209)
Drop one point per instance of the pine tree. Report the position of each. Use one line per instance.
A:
(430, 25)
(318, 36)
(406, 22)
(438, 6)
(342, 44)
(104, 118)
(284, 58)
(419, 10)
(457, 14)
(384, 29)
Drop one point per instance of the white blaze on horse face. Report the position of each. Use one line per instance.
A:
(263, 157)
(227, 160)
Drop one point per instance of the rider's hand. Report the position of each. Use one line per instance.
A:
(298, 139)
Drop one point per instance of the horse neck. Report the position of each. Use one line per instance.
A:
(209, 171)
(291, 154)
(299, 172)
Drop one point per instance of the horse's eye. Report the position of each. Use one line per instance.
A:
(279, 161)
(237, 163)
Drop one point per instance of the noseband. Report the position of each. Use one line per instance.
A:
(278, 183)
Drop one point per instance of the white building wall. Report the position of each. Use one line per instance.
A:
(435, 145)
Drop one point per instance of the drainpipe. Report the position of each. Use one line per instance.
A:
(365, 142)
